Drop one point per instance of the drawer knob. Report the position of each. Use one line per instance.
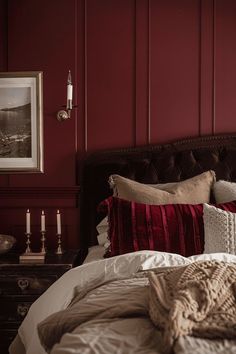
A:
(22, 309)
(23, 284)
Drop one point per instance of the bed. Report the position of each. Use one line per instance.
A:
(104, 306)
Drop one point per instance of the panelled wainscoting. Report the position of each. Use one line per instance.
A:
(144, 72)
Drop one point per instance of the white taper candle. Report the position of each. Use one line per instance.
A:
(58, 222)
(69, 87)
(28, 222)
(43, 221)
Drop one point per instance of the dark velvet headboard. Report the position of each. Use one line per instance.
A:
(162, 163)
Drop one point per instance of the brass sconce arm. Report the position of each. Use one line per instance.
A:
(65, 114)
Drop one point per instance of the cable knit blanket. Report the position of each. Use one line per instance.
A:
(183, 302)
(198, 300)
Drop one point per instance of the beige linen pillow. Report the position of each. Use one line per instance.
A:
(194, 190)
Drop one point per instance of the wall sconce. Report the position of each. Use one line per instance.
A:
(65, 114)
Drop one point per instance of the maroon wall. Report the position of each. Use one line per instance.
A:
(145, 71)
(3, 34)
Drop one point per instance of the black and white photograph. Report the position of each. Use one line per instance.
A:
(20, 121)
(15, 122)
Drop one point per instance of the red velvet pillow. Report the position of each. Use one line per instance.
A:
(175, 228)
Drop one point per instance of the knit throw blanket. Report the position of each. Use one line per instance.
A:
(198, 299)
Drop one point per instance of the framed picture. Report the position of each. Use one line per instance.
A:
(21, 122)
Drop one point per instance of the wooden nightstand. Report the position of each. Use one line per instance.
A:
(22, 284)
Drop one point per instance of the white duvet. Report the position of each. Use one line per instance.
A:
(62, 292)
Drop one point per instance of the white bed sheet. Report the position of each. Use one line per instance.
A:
(60, 294)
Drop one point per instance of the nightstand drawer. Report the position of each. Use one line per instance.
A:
(8, 335)
(24, 284)
(14, 312)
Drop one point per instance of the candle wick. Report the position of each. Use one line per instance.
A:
(69, 80)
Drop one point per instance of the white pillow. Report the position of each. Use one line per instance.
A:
(102, 226)
(102, 229)
(103, 239)
(224, 191)
(219, 230)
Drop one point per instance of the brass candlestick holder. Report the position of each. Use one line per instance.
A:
(33, 257)
(43, 239)
(28, 242)
(59, 248)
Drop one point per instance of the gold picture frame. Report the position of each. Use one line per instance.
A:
(21, 122)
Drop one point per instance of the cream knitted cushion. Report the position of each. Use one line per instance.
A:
(197, 299)
(219, 230)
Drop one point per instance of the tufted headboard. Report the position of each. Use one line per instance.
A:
(162, 163)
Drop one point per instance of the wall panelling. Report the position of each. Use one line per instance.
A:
(3, 35)
(224, 65)
(144, 71)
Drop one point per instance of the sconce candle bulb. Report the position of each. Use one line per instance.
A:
(69, 92)
(65, 114)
